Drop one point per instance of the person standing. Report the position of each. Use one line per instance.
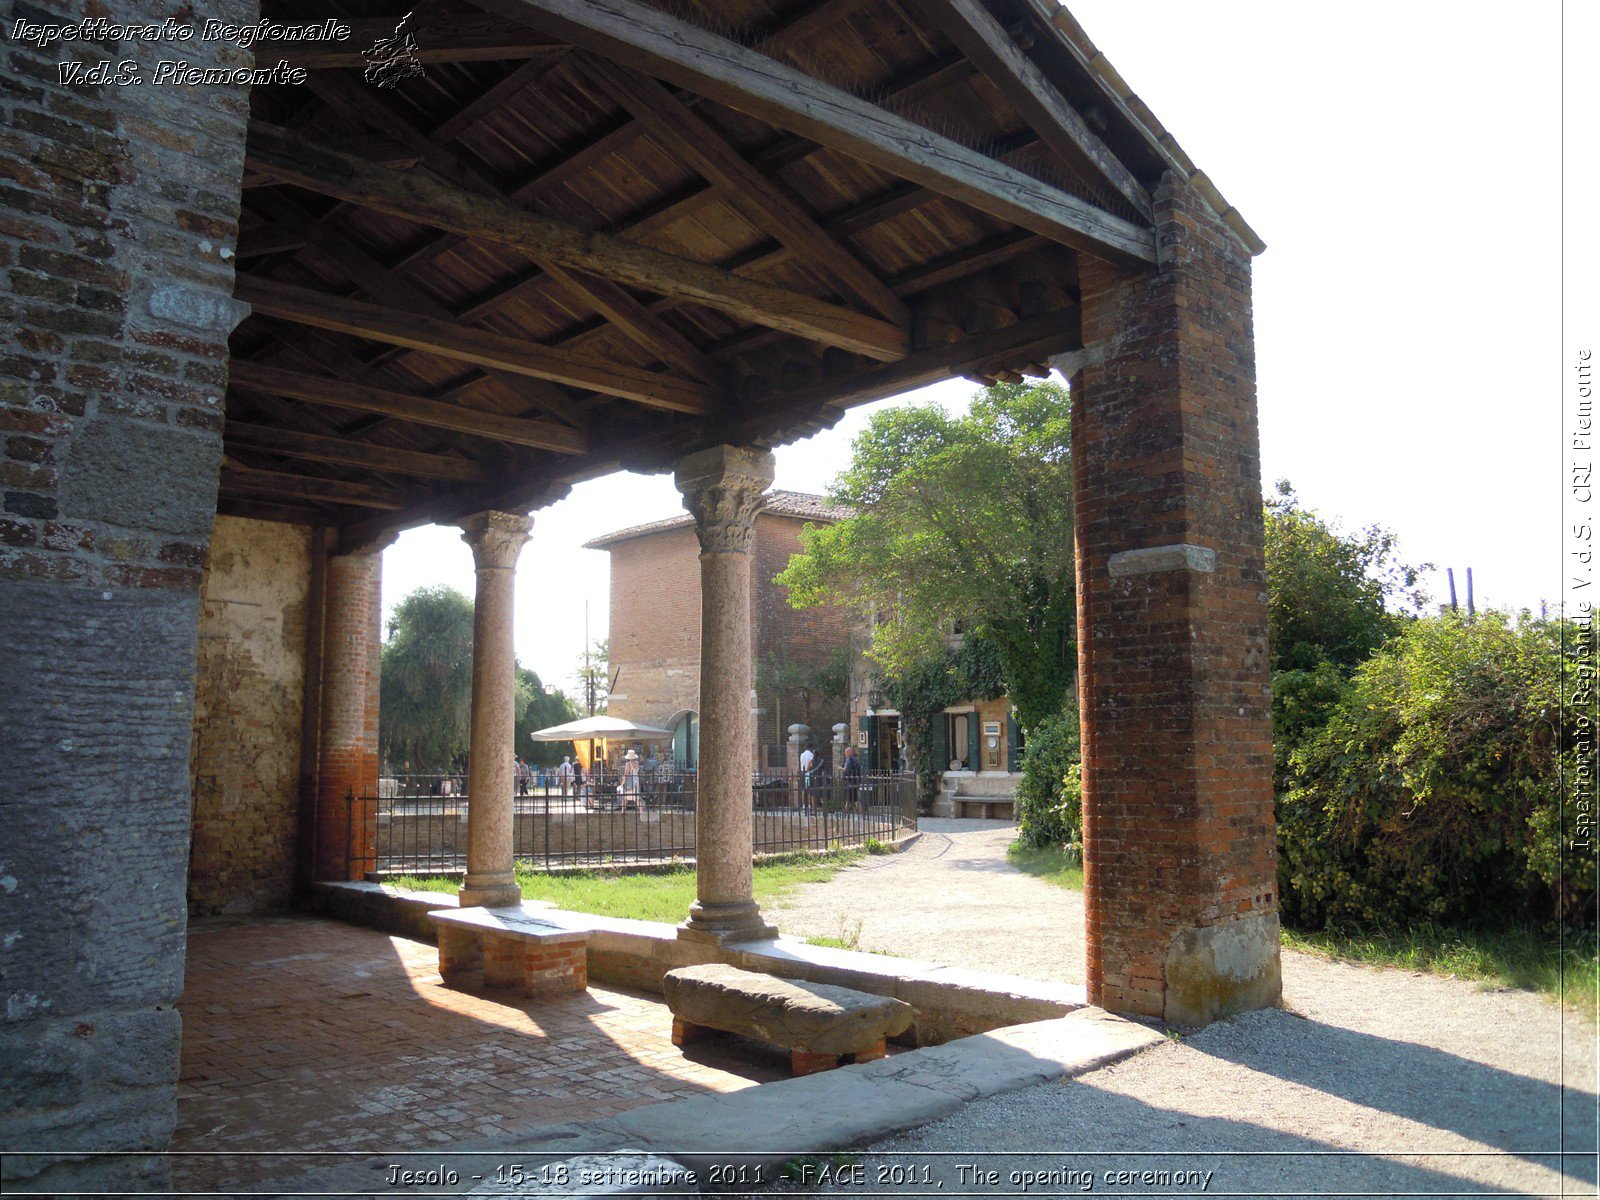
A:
(630, 781)
(851, 774)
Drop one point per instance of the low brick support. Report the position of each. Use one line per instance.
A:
(1179, 871)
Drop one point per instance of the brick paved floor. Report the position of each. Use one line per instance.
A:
(306, 1034)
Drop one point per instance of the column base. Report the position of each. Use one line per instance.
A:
(721, 923)
(497, 890)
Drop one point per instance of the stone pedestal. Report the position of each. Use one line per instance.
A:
(722, 487)
(496, 539)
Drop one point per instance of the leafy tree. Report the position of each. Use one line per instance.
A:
(1050, 792)
(960, 522)
(536, 710)
(1433, 792)
(425, 691)
(1332, 600)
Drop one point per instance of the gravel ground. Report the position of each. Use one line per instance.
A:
(1370, 1082)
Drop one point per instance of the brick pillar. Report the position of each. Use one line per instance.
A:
(496, 539)
(723, 487)
(1179, 872)
(348, 759)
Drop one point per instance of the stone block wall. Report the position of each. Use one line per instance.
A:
(118, 217)
(249, 702)
(1179, 872)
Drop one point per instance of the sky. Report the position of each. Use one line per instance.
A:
(1402, 161)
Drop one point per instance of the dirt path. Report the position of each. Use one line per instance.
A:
(1369, 1082)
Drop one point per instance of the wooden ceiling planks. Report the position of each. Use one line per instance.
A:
(639, 165)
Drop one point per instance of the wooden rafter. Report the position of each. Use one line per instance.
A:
(238, 477)
(313, 447)
(1026, 88)
(646, 39)
(376, 280)
(363, 397)
(297, 160)
(466, 343)
(1029, 341)
(605, 297)
(763, 201)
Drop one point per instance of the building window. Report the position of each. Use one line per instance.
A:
(960, 740)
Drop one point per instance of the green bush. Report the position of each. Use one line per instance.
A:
(1433, 792)
(1050, 792)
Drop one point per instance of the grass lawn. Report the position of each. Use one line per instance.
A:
(1052, 866)
(656, 897)
(1518, 957)
(1525, 958)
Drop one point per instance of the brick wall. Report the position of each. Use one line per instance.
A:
(655, 625)
(1180, 888)
(118, 214)
(809, 637)
(249, 699)
(655, 628)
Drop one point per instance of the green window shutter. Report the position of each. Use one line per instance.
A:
(1013, 743)
(869, 752)
(940, 743)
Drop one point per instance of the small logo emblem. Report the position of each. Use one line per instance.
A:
(393, 59)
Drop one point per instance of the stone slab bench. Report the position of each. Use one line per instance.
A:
(513, 948)
(818, 1023)
(991, 807)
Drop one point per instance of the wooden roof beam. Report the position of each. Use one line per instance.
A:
(297, 160)
(419, 410)
(290, 443)
(611, 301)
(649, 40)
(982, 38)
(763, 201)
(238, 477)
(469, 344)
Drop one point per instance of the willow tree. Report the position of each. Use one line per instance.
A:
(960, 523)
(425, 691)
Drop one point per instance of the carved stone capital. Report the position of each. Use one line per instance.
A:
(722, 488)
(496, 538)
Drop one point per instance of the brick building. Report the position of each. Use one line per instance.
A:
(655, 632)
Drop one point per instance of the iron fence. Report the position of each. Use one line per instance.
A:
(417, 825)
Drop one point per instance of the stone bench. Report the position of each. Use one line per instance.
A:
(513, 948)
(991, 807)
(817, 1023)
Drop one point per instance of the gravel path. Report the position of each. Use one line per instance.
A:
(1370, 1082)
(943, 900)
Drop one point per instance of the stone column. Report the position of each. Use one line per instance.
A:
(1180, 891)
(347, 758)
(723, 487)
(496, 539)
